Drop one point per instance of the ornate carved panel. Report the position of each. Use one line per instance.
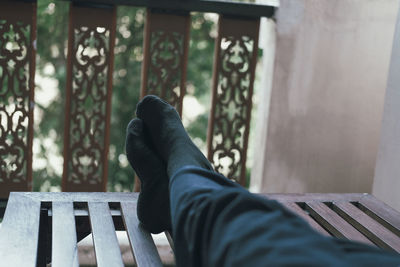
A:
(233, 78)
(17, 69)
(165, 56)
(165, 48)
(88, 103)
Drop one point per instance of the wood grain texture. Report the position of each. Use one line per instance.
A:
(322, 197)
(368, 226)
(82, 196)
(385, 214)
(334, 223)
(105, 240)
(19, 232)
(144, 249)
(64, 245)
(300, 212)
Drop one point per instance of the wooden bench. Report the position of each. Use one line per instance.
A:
(37, 226)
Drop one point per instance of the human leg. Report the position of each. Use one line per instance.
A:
(217, 223)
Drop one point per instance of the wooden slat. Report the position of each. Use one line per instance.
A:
(64, 243)
(321, 197)
(82, 197)
(105, 240)
(334, 223)
(368, 226)
(386, 215)
(142, 244)
(299, 211)
(19, 232)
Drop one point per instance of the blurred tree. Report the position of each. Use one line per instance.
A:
(52, 32)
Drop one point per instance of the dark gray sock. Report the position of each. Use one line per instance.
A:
(168, 135)
(153, 204)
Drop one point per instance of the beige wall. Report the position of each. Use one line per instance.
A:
(329, 79)
(387, 174)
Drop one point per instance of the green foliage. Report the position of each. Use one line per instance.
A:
(126, 93)
(200, 61)
(199, 71)
(52, 33)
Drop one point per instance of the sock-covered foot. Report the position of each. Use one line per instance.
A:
(168, 135)
(153, 204)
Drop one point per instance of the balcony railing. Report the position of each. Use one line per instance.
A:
(91, 39)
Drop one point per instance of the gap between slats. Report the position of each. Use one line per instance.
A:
(298, 209)
(392, 239)
(334, 223)
(377, 218)
(371, 228)
(142, 244)
(83, 216)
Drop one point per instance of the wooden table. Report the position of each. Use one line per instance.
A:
(40, 226)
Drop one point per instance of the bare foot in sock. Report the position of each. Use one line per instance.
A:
(168, 135)
(153, 204)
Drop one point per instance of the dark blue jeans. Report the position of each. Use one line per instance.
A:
(218, 223)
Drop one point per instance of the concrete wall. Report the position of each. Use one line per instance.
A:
(257, 140)
(387, 174)
(329, 79)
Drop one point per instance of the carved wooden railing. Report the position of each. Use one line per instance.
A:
(89, 83)
(17, 71)
(88, 103)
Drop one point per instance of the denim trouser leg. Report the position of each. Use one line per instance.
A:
(218, 223)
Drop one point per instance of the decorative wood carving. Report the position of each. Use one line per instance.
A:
(233, 78)
(17, 71)
(165, 45)
(88, 104)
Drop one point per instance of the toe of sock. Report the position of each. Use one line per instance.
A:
(151, 105)
(146, 104)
